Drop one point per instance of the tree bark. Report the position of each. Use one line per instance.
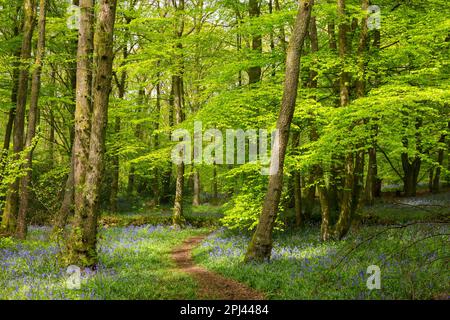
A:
(84, 240)
(12, 199)
(177, 82)
(83, 106)
(196, 197)
(33, 113)
(411, 171)
(254, 72)
(354, 163)
(260, 246)
(115, 157)
(436, 185)
(67, 203)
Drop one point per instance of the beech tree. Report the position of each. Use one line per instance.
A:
(260, 246)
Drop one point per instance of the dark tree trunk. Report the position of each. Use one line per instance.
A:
(371, 180)
(411, 171)
(260, 246)
(254, 72)
(436, 184)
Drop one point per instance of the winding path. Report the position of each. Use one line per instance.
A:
(211, 285)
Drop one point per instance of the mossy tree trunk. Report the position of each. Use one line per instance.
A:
(82, 244)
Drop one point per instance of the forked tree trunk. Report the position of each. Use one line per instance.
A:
(21, 230)
(12, 199)
(260, 246)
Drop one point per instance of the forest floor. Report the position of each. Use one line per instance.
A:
(211, 285)
(408, 239)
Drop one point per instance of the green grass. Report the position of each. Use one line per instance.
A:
(135, 263)
(413, 262)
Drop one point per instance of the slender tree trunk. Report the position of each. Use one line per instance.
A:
(67, 203)
(254, 72)
(260, 246)
(12, 110)
(115, 157)
(52, 140)
(11, 114)
(197, 190)
(296, 183)
(156, 181)
(12, 199)
(371, 180)
(21, 230)
(179, 185)
(310, 189)
(437, 176)
(178, 91)
(325, 230)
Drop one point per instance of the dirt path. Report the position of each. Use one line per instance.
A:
(211, 285)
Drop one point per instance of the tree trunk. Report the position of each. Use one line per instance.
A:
(84, 240)
(299, 218)
(260, 246)
(411, 173)
(436, 185)
(12, 199)
(83, 108)
(371, 180)
(33, 113)
(354, 162)
(177, 82)
(310, 190)
(115, 157)
(196, 197)
(296, 182)
(179, 186)
(254, 73)
(67, 203)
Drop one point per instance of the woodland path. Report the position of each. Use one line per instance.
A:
(211, 285)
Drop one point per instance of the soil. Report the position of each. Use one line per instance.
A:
(211, 285)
